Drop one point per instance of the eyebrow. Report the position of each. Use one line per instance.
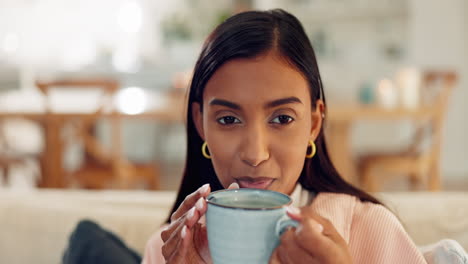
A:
(274, 103)
(283, 101)
(226, 103)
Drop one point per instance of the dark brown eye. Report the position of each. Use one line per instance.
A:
(282, 119)
(228, 120)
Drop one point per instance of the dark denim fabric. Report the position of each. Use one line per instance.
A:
(91, 244)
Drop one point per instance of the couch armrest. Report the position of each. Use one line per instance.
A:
(35, 226)
(431, 216)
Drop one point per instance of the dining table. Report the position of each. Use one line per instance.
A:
(52, 123)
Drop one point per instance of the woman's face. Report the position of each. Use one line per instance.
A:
(257, 120)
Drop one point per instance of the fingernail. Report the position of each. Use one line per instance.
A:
(199, 204)
(204, 188)
(191, 213)
(183, 233)
(293, 210)
(317, 227)
(234, 185)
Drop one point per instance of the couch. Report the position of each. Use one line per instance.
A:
(35, 225)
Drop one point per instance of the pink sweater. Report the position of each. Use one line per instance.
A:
(374, 235)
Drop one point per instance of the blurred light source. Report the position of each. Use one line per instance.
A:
(131, 100)
(10, 43)
(130, 17)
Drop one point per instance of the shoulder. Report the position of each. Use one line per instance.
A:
(373, 233)
(357, 217)
(355, 211)
(338, 208)
(374, 215)
(378, 230)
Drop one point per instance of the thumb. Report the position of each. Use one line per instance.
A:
(234, 185)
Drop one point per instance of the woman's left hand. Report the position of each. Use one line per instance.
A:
(315, 240)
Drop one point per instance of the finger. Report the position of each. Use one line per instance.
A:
(309, 236)
(179, 255)
(172, 235)
(195, 214)
(290, 252)
(294, 213)
(187, 222)
(190, 201)
(189, 219)
(202, 220)
(316, 234)
(234, 185)
(202, 208)
(172, 243)
(170, 229)
(329, 229)
(325, 225)
(301, 214)
(200, 241)
(274, 259)
(286, 247)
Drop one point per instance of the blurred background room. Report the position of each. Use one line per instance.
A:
(92, 99)
(92, 92)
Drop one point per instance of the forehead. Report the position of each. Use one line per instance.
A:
(255, 80)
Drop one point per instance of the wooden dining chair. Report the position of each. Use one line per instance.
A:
(6, 163)
(21, 148)
(420, 161)
(102, 167)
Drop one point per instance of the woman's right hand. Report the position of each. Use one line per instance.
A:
(185, 239)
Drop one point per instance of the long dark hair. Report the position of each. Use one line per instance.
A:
(247, 35)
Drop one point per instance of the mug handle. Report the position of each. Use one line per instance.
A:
(283, 223)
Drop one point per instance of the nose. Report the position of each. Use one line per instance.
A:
(254, 148)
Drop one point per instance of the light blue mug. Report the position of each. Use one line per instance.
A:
(245, 225)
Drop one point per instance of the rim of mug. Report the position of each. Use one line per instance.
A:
(249, 189)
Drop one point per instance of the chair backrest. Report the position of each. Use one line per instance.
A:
(443, 83)
(446, 81)
(107, 87)
(436, 89)
(94, 150)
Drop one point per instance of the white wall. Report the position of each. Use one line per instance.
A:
(438, 38)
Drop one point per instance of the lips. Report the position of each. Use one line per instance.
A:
(255, 183)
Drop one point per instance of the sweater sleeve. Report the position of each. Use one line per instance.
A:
(153, 250)
(376, 236)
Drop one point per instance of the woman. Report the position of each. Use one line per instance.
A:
(256, 110)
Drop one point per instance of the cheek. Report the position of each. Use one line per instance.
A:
(292, 143)
(223, 151)
(289, 152)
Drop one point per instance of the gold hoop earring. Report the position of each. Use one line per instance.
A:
(204, 150)
(314, 150)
